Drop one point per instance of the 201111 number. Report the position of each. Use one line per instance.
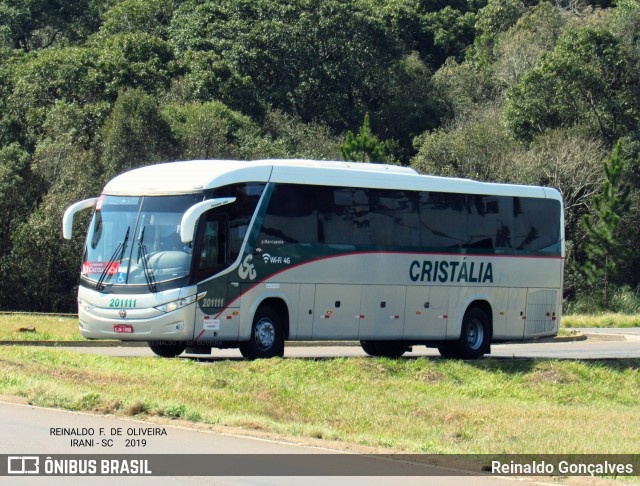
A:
(126, 303)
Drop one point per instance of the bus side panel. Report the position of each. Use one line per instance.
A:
(542, 312)
(305, 313)
(382, 312)
(516, 314)
(337, 310)
(255, 295)
(426, 312)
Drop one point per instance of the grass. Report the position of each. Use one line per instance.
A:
(600, 320)
(47, 328)
(414, 405)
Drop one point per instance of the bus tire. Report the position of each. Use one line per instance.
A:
(267, 335)
(167, 349)
(475, 337)
(384, 349)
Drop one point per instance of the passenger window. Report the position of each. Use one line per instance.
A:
(537, 224)
(291, 216)
(443, 220)
(343, 215)
(490, 222)
(394, 218)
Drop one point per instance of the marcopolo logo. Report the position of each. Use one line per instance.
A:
(23, 465)
(247, 270)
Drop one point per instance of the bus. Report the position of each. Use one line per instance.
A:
(206, 254)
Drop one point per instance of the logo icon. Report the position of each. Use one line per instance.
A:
(266, 257)
(247, 270)
(23, 464)
(122, 313)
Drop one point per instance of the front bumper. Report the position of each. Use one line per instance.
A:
(170, 326)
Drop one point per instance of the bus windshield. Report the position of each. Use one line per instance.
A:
(136, 240)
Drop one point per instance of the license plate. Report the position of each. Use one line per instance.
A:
(123, 328)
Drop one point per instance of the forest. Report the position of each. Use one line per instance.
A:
(528, 92)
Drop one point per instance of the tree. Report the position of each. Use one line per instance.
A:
(606, 247)
(135, 134)
(323, 61)
(476, 146)
(209, 130)
(584, 81)
(16, 200)
(363, 147)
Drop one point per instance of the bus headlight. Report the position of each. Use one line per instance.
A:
(177, 304)
(84, 305)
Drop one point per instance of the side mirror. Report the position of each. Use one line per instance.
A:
(190, 218)
(67, 219)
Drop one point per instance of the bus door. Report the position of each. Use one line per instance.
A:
(213, 311)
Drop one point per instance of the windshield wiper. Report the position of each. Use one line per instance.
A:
(143, 256)
(117, 256)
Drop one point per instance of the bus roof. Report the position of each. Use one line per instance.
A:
(198, 175)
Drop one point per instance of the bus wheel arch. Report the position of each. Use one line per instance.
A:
(269, 329)
(476, 332)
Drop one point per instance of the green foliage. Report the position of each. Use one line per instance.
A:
(135, 134)
(479, 147)
(206, 75)
(37, 24)
(209, 130)
(323, 61)
(150, 17)
(496, 17)
(364, 146)
(584, 81)
(286, 137)
(520, 91)
(135, 60)
(606, 247)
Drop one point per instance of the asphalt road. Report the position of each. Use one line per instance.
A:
(603, 347)
(27, 430)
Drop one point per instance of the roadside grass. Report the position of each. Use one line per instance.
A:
(601, 320)
(414, 405)
(47, 328)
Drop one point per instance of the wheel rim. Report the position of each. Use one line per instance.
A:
(475, 333)
(265, 333)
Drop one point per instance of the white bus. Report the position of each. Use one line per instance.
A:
(229, 254)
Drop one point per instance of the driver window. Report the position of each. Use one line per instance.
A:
(212, 246)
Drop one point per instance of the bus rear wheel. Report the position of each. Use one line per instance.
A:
(267, 338)
(167, 349)
(475, 337)
(384, 349)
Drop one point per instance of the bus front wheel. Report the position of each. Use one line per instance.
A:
(267, 338)
(167, 349)
(475, 337)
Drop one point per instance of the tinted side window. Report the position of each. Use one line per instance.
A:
(443, 220)
(343, 215)
(537, 224)
(291, 216)
(490, 222)
(394, 218)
